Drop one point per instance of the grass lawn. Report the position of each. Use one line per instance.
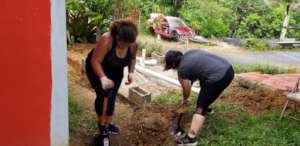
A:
(231, 125)
(78, 119)
(267, 69)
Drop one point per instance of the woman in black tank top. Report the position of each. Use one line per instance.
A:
(104, 68)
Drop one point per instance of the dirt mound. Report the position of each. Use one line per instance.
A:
(254, 99)
(150, 127)
(147, 126)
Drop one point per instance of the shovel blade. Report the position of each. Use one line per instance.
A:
(176, 131)
(173, 129)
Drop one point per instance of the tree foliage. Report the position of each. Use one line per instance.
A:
(84, 15)
(210, 18)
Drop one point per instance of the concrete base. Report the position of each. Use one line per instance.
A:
(139, 95)
(283, 82)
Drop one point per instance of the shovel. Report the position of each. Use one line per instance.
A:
(175, 128)
(103, 140)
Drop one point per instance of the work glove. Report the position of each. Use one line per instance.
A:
(129, 79)
(106, 83)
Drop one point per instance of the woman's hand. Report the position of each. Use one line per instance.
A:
(106, 83)
(183, 106)
(129, 79)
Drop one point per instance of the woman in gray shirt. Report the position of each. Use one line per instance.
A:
(214, 74)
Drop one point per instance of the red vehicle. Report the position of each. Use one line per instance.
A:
(170, 27)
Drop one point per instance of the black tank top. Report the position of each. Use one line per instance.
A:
(112, 65)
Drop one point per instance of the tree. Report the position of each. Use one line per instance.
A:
(257, 25)
(206, 17)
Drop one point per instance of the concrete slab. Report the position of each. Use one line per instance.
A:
(284, 82)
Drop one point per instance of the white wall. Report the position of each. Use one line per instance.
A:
(59, 103)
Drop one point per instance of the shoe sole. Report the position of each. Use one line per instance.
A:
(115, 133)
(104, 134)
(192, 144)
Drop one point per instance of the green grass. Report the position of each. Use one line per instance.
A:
(78, 119)
(267, 69)
(175, 98)
(230, 125)
(75, 110)
(168, 98)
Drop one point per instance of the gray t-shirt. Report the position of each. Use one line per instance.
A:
(197, 64)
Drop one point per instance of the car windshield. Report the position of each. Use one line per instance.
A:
(173, 22)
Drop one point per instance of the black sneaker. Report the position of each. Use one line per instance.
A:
(104, 130)
(187, 141)
(113, 129)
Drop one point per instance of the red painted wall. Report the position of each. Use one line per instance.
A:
(25, 74)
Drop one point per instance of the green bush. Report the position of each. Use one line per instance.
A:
(257, 25)
(206, 17)
(150, 48)
(83, 16)
(256, 44)
(210, 18)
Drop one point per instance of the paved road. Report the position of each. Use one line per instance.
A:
(276, 58)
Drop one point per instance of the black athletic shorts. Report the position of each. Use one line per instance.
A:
(210, 91)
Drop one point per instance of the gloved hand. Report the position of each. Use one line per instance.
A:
(183, 106)
(106, 83)
(129, 79)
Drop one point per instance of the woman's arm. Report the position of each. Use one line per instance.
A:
(186, 87)
(186, 90)
(132, 63)
(102, 47)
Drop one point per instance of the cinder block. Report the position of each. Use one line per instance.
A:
(139, 95)
(294, 96)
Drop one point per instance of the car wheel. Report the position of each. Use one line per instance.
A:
(177, 37)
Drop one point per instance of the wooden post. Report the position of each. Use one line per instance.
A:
(285, 23)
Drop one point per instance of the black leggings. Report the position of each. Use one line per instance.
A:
(101, 94)
(210, 91)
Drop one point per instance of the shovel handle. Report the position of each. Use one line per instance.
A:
(179, 119)
(105, 102)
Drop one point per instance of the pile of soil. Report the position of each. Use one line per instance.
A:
(149, 126)
(143, 126)
(255, 99)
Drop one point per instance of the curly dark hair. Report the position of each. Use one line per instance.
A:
(125, 30)
(172, 59)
